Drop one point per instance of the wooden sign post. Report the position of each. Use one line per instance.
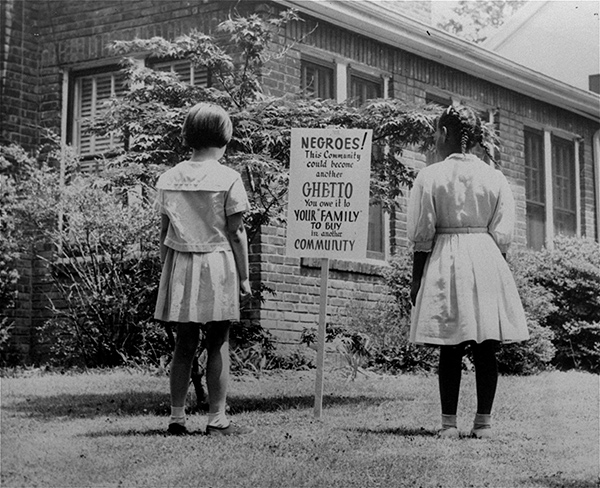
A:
(328, 209)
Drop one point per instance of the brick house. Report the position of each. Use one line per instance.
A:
(56, 72)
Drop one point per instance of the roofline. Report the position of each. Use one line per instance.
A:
(390, 27)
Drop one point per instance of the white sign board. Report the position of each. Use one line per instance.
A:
(328, 209)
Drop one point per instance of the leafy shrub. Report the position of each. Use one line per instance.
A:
(107, 271)
(251, 348)
(570, 275)
(10, 158)
(351, 344)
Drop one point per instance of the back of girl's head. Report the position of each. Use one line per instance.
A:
(206, 125)
(463, 126)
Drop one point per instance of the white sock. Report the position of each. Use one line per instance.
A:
(448, 421)
(177, 415)
(218, 419)
(482, 421)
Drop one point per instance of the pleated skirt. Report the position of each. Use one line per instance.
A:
(198, 287)
(467, 293)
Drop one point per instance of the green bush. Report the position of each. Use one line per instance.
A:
(570, 276)
(107, 270)
(10, 158)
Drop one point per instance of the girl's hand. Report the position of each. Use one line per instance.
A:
(414, 290)
(245, 292)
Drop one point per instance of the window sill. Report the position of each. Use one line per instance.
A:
(371, 267)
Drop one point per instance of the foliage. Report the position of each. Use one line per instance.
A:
(475, 20)
(151, 113)
(351, 344)
(570, 275)
(252, 349)
(8, 255)
(398, 353)
(537, 353)
(15, 164)
(105, 267)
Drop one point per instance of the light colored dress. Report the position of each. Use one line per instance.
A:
(199, 280)
(462, 212)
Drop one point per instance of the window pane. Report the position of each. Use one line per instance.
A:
(93, 93)
(317, 80)
(536, 225)
(362, 90)
(535, 194)
(186, 72)
(563, 180)
(376, 237)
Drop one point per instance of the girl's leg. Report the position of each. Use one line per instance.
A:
(217, 379)
(217, 371)
(486, 379)
(449, 376)
(486, 375)
(186, 343)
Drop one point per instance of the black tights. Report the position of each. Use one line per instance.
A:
(486, 375)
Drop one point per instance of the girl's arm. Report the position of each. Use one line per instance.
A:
(419, 260)
(239, 244)
(164, 227)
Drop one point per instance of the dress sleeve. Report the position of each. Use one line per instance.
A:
(159, 201)
(236, 199)
(421, 217)
(503, 220)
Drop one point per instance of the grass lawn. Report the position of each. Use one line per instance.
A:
(106, 429)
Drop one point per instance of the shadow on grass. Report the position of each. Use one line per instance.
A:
(142, 433)
(396, 431)
(156, 403)
(557, 481)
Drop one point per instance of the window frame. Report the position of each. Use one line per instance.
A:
(74, 125)
(354, 74)
(535, 204)
(343, 71)
(551, 135)
(376, 211)
(319, 64)
(153, 62)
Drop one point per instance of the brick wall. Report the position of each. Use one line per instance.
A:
(19, 116)
(71, 33)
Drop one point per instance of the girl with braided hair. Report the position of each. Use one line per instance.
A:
(460, 224)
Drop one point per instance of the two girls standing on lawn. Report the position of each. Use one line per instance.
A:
(460, 222)
(204, 255)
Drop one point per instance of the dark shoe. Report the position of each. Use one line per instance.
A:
(231, 429)
(177, 429)
(449, 433)
(482, 432)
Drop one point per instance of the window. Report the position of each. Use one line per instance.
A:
(317, 80)
(376, 238)
(90, 96)
(551, 187)
(186, 71)
(535, 194)
(363, 89)
(563, 182)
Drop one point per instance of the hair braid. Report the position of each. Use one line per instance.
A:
(464, 139)
(464, 125)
